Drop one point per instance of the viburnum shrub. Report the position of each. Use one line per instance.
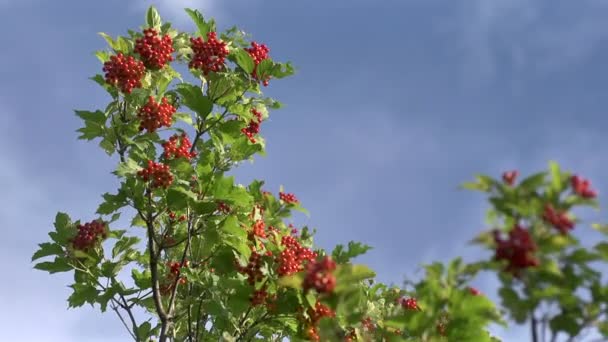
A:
(212, 260)
(549, 278)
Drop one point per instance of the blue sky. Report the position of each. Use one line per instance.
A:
(395, 103)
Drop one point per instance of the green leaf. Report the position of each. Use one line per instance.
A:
(223, 187)
(124, 244)
(127, 168)
(99, 79)
(532, 182)
(483, 183)
(109, 40)
(107, 145)
(185, 117)
(556, 177)
(232, 227)
(144, 331)
(63, 231)
(244, 60)
(293, 281)
(194, 99)
(582, 256)
(178, 198)
(347, 275)
(110, 269)
(265, 68)
(355, 249)
(59, 265)
(97, 117)
(600, 227)
(153, 18)
(112, 203)
(142, 280)
(91, 130)
(565, 322)
(83, 293)
(103, 56)
(199, 21)
(602, 248)
(47, 249)
(281, 70)
(311, 299)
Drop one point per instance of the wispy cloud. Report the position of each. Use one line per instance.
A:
(530, 36)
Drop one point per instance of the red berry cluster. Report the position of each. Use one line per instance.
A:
(582, 187)
(174, 272)
(312, 333)
(557, 219)
(288, 198)
(175, 267)
(474, 291)
(293, 257)
(510, 176)
(154, 115)
(181, 218)
(209, 56)
(154, 51)
(125, 72)
(319, 276)
(441, 328)
(253, 268)
(258, 230)
(254, 126)
(321, 310)
(178, 146)
(258, 297)
(157, 172)
(294, 230)
(89, 234)
(518, 250)
(223, 207)
(351, 335)
(368, 325)
(258, 53)
(408, 303)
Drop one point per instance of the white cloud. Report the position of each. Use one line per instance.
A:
(531, 35)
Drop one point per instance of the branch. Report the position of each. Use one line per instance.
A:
(127, 308)
(132, 333)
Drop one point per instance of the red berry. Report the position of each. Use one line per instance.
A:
(154, 115)
(319, 276)
(293, 258)
(253, 268)
(208, 56)
(159, 174)
(178, 147)
(288, 198)
(474, 291)
(254, 126)
(89, 235)
(154, 51)
(559, 220)
(582, 187)
(518, 250)
(409, 303)
(258, 53)
(124, 71)
(510, 176)
(223, 207)
(258, 297)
